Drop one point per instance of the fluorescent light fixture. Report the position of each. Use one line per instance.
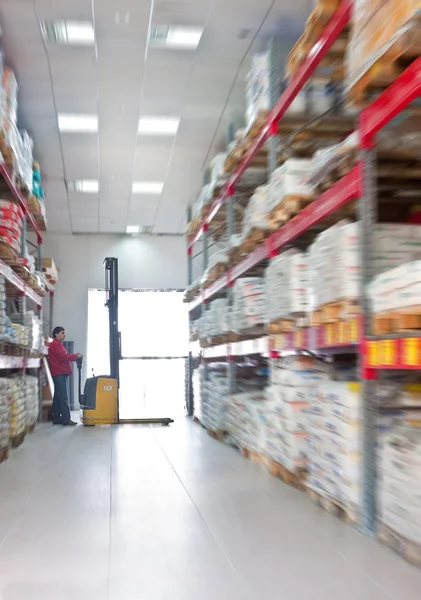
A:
(147, 187)
(85, 186)
(158, 125)
(77, 33)
(133, 229)
(175, 36)
(78, 123)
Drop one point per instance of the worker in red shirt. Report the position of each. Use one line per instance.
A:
(60, 368)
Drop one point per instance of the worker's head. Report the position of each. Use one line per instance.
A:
(59, 333)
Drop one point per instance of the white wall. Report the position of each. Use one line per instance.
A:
(144, 262)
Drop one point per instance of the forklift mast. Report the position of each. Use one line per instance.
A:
(111, 285)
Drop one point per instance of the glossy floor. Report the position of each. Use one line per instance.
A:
(130, 513)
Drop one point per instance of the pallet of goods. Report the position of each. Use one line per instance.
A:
(385, 39)
(289, 191)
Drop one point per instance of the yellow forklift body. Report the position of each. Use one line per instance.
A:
(105, 411)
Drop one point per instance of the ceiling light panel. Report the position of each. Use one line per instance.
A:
(147, 187)
(175, 37)
(85, 186)
(76, 33)
(158, 125)
(78, 123)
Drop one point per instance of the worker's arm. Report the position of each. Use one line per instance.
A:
(63, 356)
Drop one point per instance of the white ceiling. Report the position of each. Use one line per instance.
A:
(205, 88)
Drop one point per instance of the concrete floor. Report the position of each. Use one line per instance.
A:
(128, 513)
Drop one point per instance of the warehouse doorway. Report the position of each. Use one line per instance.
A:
(154, 346)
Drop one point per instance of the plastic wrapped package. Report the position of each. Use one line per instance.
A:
(288, 426)
(286, 285)
(5, 414)
(215, 320)
(214, 392)
(327, 159)
(249, 304)
(398, 288)
(18, 406)
(257, 88)
(290, 180)
(9, 99)
(30, 384)
(246, 419)
(257, 211)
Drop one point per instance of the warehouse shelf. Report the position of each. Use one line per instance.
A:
(335, 26)
(375, 353)
(18, 283)
(6, 174)
(341, 193)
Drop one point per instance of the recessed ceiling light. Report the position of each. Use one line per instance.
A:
(133, 229)
(158, 125)
(78, 123)
(175, 36)
(69, 32)
(86, 186)
(147, 187)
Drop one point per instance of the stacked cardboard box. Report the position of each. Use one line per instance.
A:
(249, 304)
(290, 180)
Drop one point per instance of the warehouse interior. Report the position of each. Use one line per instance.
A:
(210, 325)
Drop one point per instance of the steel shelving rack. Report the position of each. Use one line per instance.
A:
(17, 286)
(375, 352)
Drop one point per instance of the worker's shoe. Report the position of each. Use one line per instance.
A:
(70, 424)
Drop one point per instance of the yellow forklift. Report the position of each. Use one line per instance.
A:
(99, 402)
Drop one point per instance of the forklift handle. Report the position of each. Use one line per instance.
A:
(79, 363)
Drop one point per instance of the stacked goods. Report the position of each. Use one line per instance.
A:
(286, 283)
(217, 266)
(197, 380)
(335, 443)
(18, 407)
(50, 270)
(3, 315)
(379, 36)
(28, 328)
(288, 189)
(334, 259)
(324, 161)
(249, 304)
(287, 429)
(256, 213)
(217, 171)
(8, 100)
(30, 384)
(5, 416)
(11, 221)
(214, 394)
(258, 91)
(246, 419)
(395, 298)
(215, 320)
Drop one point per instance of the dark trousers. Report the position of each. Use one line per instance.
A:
(61, 410)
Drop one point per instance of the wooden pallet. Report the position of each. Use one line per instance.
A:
(253, 239)
(402, 320)
(335, 508)
(216, 435)
(288, 207)
(410, 551)
(297, 479)
(333, 312)
(4, 454)
(248, 334)
(386, 65)
(252, 455)
(18, 440)
(30, 428)
(281, 326)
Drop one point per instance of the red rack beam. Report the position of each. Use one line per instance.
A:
(342, 192)
(329, 35)
(7, 176)
(405, 89)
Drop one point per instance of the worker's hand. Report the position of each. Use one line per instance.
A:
(79, 355)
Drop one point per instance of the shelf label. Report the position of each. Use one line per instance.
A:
(353, 331)
(410, 352)
(372, 352)
(342, 332)
(330, 334)
(388, 353)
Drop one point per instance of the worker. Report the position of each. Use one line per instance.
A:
(60, 367)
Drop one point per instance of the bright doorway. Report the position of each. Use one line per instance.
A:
(154, 337)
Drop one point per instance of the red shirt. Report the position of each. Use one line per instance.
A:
(59, 359)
